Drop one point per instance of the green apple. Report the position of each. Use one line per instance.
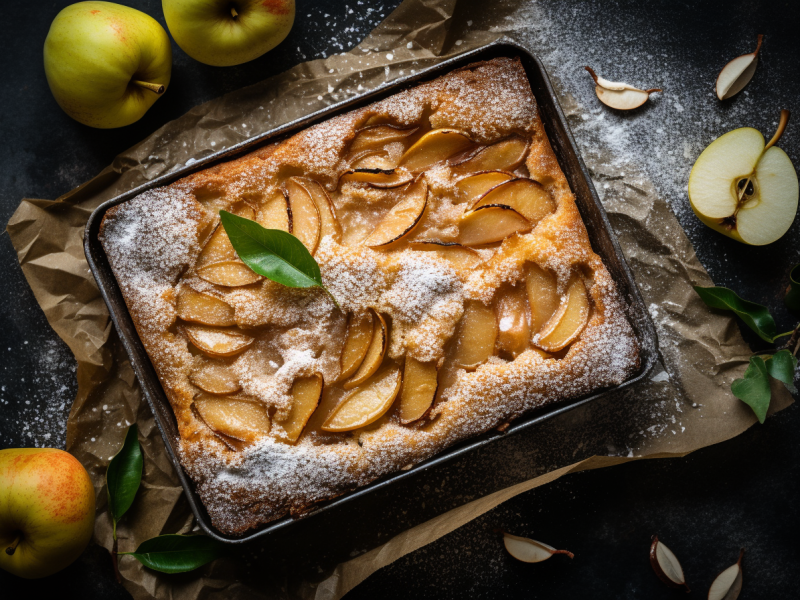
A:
(106, 63)
(46, 510)
(744, 188)
(223, 33)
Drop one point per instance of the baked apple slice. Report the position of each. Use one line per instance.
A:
(228, 273)
(356, 342)
(218, 342)
(543, 298)
(472, 187)
(214, 378)
(276, 213)
(505, 155)
(525, 196)
(489, 224)
(371, 159)
(305, 215)
(375, 353)
(379, 178)
(377, 136)
(328, 223)
(434, 147)
(306, 392)
(513, 330)
(461, 257)
(402, 218)
(367, 403)
(218, 248)
(568, 322)
(233, 416)
(197, 307)
(476, 336)
(419, 389)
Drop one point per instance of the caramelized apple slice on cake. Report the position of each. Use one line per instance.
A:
(276, 213)
(472, 187)
(198, 307)
(215, 378)
(375, 352)
(543, 297)
(306, 392)
(490, 224)
(525, 196)
(419, 389)
(218, 342)
(228, 273)
(476, 336)
(568, 322)
(435, 147)
(328, 223)
(305, 215)
(218, 248)
(513, 330)
(367, 403)
(378, 136)
(356, 342)
(378, 178)
(461, 257)
(505, 155)
(402, 218)
(235, 417)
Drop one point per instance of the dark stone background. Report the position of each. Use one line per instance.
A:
(744, 492)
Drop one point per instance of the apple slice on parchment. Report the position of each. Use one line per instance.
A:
(435, 147)
(306, 392)
(568, 321)
(383, 179)
(305, 215)
(228, 273)
(356, 342)
(218, 342)
(505, 155)
(525, 196)
(377, 136)
(234, 417)
(205, 309)
(489, 224)
(375, 352)
(470, 188)
(329, 224)
(543, 298)
(367, 403)
(513, 330)
(475, 336)
(214, 378)
(419, 389)
(402, 218)
(461, 257)
(276, 213)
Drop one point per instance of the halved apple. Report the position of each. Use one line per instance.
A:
(513, 330)
(419, 389)
(218, 342)
(476, 336)
(434, 147)
(329, 224)
(366, 404)
(305, 216)
(402, 218)
(543, 297)
(525, 196)
(490, 223)
(214, 378)
(218, 248)
(377, 136)
(197, 307)
(505, 155)
(375, 352)
(233, 416)
(461, 257)
(228, 273)
(276, 213)
(474, 186)
(356, 342)
(568, 321)
(306, 392)
(379, 178)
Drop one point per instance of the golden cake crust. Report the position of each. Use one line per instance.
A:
(153, 243)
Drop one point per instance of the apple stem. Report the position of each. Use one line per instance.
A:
(592, 73)
(778, 132)
(234, 14)
(13, 547)
(156, 88)
(115, 561)
(758, 46)
(793, 345)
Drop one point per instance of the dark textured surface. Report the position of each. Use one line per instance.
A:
(744, 492)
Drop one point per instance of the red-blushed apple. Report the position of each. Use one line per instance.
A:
(223, 33)
(106, 64)
(46, 510)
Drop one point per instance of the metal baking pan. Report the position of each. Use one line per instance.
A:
(602, 238)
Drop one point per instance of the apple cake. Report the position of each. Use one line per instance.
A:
(468, 295)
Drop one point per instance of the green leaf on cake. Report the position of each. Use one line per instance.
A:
(123, 476)
(173, 553)
(755, 316)
(792, 298)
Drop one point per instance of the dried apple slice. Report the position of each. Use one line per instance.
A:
(235, 417)
(356, 342)
(218, 248)
(419, 389)
(378, 178)
(513, 330)
(489, 224)
(568, 321)
(306, 392)
(214, 378)
(543, 297)
(525, 196)
(505, 155)
(375, 353)
(476, 336)
(328, 223)
(434, 147)
(377, 136)
(276, 213)
(197, 307)
(366, 404)
(474, 186)
(402, 218)
(218, 342)
(228, 273)
(305, 215)
(461, 257)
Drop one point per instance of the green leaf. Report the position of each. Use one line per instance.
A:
(754, 389)
(755, 316)
(792, 298)
(123, 476)
(781, 366)
(177, 553)
(273, 253)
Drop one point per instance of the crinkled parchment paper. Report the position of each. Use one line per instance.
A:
(684, 406)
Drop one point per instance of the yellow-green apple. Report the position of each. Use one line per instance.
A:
(106, 63)
(223, 33)
(46, 510)
(744, 188)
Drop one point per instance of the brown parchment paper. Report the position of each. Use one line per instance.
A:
(684, 406)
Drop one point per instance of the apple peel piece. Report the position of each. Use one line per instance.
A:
(306, 392)
(735, 75)
(197, 307)
(228, 273)
(475, 337)
(305, 215)
(214, 378)
(505, 155)
(525, 196)
(728, 584)
(218, 342)
(474, 186)
(489, 224)
(530, 551)
(568, 321)
(367, 403)
(375, 352)
(619, 95)
(356, 342)
(435, 147)
(239, 418)
(666, 565)
(402, 218)
(419, 389)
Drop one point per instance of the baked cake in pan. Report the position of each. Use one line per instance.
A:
(468, 290)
